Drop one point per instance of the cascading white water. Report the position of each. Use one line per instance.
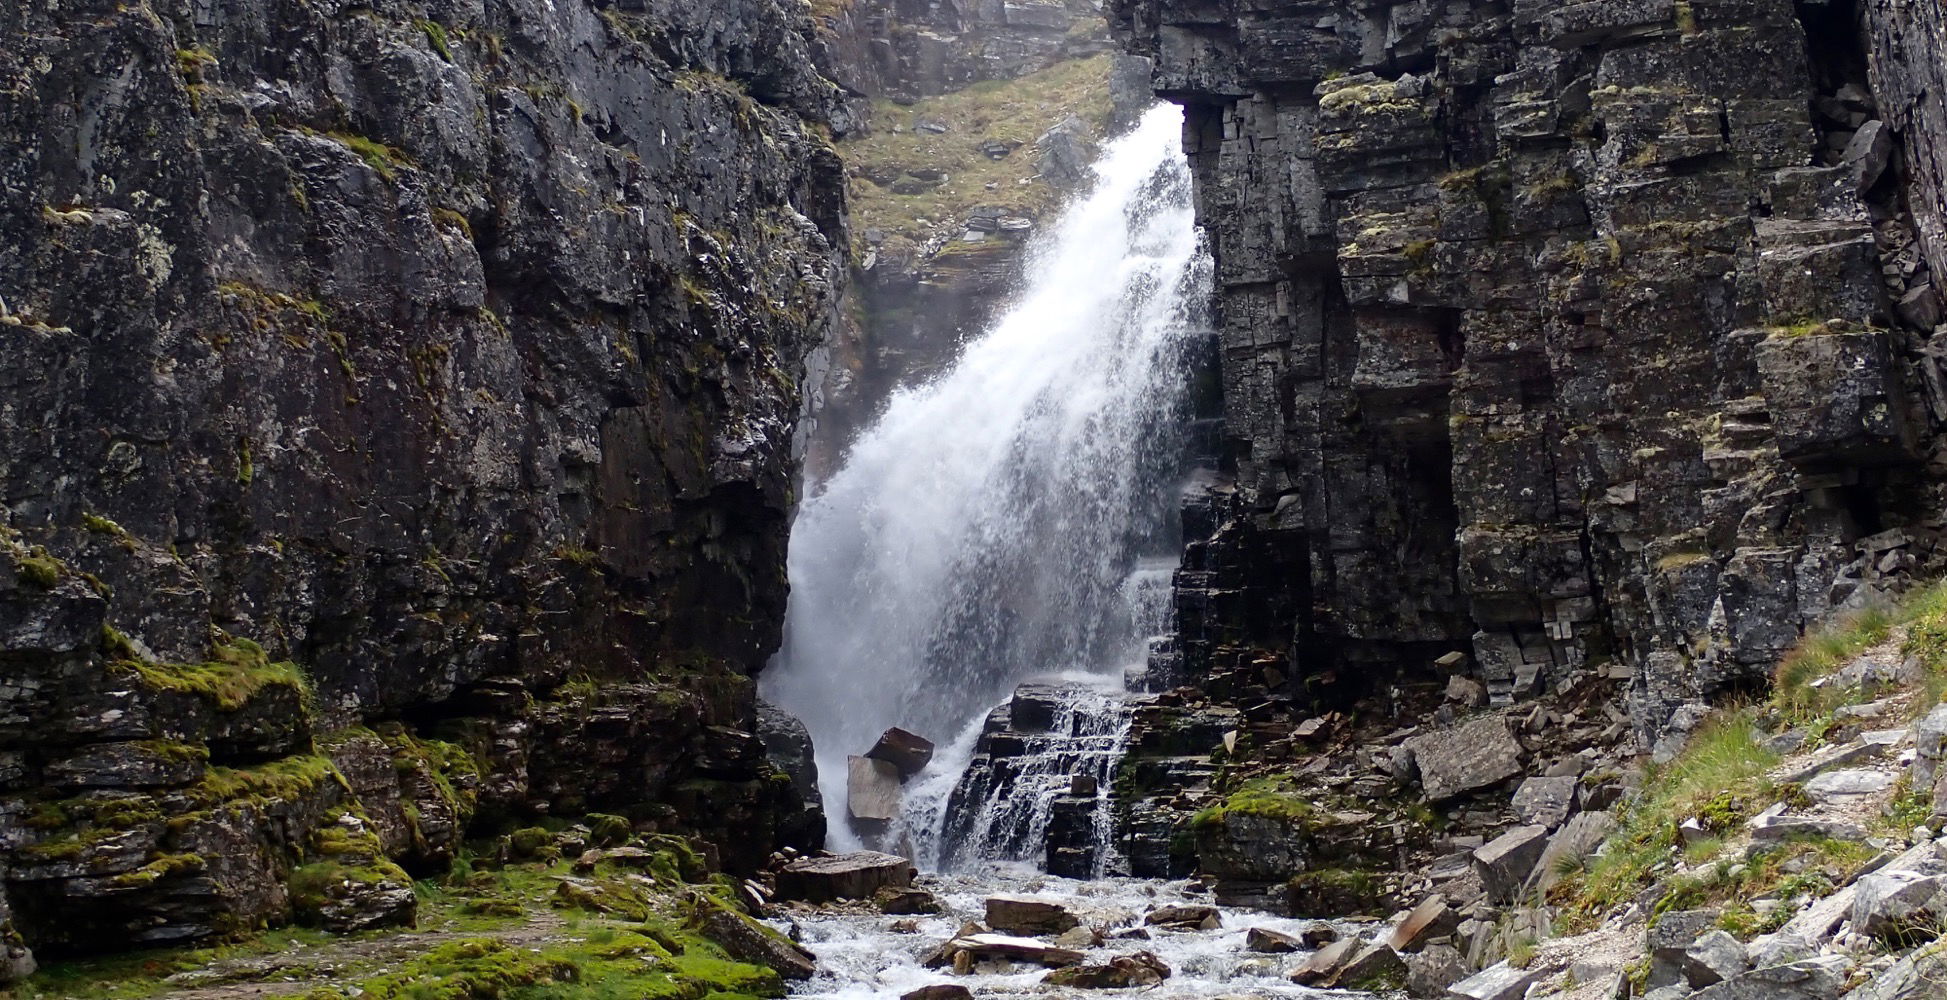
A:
(986, 528)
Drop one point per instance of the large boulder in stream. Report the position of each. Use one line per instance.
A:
(907, 752)
(843, 876)
(747, 940)
(872, 794)
(1184, 916)
(939, 991)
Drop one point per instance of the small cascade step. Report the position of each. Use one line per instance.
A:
(1021, 796)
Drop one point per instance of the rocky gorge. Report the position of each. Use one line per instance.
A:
(410, 404)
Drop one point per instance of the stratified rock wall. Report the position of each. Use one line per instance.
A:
(1906, 48)
(430, 365)
(1558, 334)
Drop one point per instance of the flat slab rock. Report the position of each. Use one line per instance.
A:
(1848, 782)
(872, 789)
(1018, 949)
(1496, 982)
(1121, 972)
(843, 876)
(1184, 915)
(1505, 862)
(1028, 915)
(1472, 755)
(1868, 746)
(1814, 979)
(1431, 918)
(1545, 801)
(939, 991)
(1266, 941)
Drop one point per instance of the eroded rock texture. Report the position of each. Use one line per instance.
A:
(433, 366)
(1557, 333)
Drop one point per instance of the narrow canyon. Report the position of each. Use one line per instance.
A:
(952, 499)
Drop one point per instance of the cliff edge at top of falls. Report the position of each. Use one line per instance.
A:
(399, 413)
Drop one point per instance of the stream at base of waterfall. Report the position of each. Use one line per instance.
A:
(866, 954)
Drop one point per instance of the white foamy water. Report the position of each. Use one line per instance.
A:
(860, 955)
(990, 525)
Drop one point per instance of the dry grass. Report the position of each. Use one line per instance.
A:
(1017, 111)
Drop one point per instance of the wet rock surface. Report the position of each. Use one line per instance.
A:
(857, 875)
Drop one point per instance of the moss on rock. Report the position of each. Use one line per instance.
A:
(237, 672)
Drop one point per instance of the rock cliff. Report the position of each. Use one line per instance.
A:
(1558, 335)
(400, 419)
(1577, 360)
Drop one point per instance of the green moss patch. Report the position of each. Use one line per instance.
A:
(462, 970)
(40, 569)
(286, 779)
(236, 673)
(1273, 796)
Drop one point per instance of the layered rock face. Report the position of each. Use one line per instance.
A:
(1556, 335)
(399, 415)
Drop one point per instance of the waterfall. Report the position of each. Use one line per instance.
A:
(991, 525)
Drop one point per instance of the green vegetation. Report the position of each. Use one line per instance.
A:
(1926, 641)
(578, 554)
(282, 780)
(237, 671)
(1719, 778)
(512, 932)
(382, 158)
(436, 37)
(1685, 17)
(193, 63)
(1816, 327)
(452, 219)
(1678, 560)
(1924, 616)
(1270, 796)
(1015, 112)
(1813, 866)
(103, 526)
(343, 855)
(39, 568)
(1817, 656)
(140, 974)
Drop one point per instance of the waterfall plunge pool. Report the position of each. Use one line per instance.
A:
(861, 955)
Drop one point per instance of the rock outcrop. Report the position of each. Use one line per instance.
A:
(400, 410)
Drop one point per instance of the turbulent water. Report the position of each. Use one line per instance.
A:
(865, 955)
(990, 525)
